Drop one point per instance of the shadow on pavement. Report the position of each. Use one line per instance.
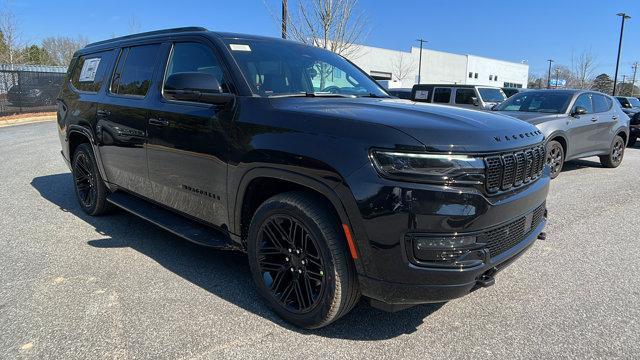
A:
(580, 164)
(224, 274)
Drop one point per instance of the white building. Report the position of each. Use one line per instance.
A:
(400, 69)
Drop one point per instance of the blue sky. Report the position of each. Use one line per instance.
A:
(509, 30)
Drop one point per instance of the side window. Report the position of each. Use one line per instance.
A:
(195, 57)
(465, 96)
(441, 95)
(88, 73)
(601, 103)
(135, 70)
(584, 100)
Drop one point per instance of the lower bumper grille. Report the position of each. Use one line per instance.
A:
(505, 237)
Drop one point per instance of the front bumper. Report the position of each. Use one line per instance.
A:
(388, 212)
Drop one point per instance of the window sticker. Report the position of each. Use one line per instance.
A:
(240, 47)
(89, 69)
(422, 94)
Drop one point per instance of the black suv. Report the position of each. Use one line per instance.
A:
(294, 155)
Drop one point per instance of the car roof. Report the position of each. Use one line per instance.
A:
(118, 41)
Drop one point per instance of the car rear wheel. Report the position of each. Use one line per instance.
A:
(299, 260)
(91, 191)
(555, 157)
(614, 158)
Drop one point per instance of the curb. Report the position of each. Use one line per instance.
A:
(29, 120)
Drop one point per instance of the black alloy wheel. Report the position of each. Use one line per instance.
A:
(85, 180)
(614, 158)
(555, 158)
(290, 263)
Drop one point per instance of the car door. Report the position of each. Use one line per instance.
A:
(582, 128)
(188, 146)
(121, 126)
(607, 120)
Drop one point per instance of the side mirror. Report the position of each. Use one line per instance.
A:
(475, 101)
(494, 107)
(197, 87)
(579, 110)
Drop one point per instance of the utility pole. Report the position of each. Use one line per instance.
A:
(557, 78)
(420, 61)
(615, 77)
(549, 75)
(624, 77)
(284, 19)
(634, 66)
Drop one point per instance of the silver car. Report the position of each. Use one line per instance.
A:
(575, 123)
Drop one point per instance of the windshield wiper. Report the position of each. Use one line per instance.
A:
(376, 96)
(312, 94)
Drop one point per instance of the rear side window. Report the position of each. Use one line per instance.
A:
(134, 70)
(441, 95)
(601, 103)
(465, 96)
(195, 57)
(89, 72)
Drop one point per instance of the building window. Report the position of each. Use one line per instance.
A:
(490, 77)
(476, 75)
(470, 75)
(495, 78)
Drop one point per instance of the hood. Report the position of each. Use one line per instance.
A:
(438, 127)
(534, 118)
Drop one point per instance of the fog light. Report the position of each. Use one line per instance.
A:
(442, 249)
(444, 242)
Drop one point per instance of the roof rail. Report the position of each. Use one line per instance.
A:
(149, 33)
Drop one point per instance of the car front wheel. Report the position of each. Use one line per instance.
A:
(299, 260)
(555, 157)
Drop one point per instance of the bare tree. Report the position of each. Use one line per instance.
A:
(330, 24)
(402, 66)
(583, 68)
(12, 45)
(61, 48)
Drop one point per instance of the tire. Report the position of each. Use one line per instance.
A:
(632, 141)
(91, 191)
(555, 158)
(308, 285)
(614, 158)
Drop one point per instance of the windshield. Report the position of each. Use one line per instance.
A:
(634, 102)
(491, 95)
(278, 68)
(537, 101)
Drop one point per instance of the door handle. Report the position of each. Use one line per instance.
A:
(614, 117)
(103, 113)
(158, 122)
(594, 119)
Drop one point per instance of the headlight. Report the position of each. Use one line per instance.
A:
(446, 169)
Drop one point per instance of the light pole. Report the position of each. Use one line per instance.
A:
(284, 19)
(624, 77)
(633, 81)
(557, 77)
(549, 75)
(420, 61)
(615, 77)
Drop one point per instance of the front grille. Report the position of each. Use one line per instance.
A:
(507, 236)
(509, 170)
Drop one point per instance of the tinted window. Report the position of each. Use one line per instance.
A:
(601, 103)
(441, 95)
(491, 94)
(465, 96)
(584, 100)
(624, 102)
(135, 70)
(537, 101)
(89, 71)
(195, 57)
(275, 68)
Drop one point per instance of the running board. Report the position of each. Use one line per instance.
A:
(179, 225)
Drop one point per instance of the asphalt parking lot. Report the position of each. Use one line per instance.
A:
(73, 286)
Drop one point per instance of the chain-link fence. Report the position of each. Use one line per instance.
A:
(29, 88)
